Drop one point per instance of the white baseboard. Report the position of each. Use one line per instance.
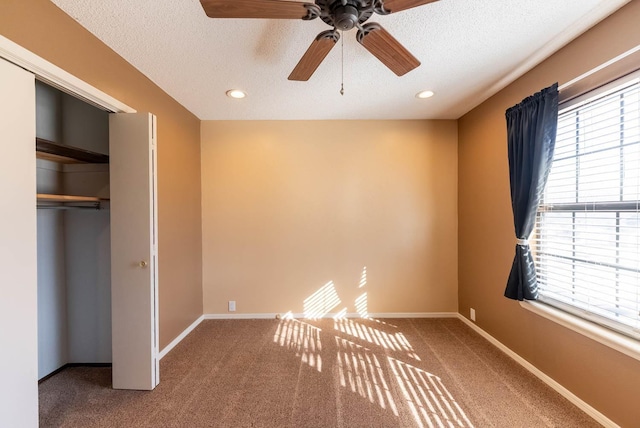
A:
(599, 417)
(413, 315)
(258, 316)
(181, 336)
(228, 316)
(232, 316)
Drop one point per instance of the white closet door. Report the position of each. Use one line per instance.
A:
(134, 272)
(18, 249)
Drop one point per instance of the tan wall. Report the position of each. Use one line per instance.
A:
(606, 379)
(41, 27)
(289, 206)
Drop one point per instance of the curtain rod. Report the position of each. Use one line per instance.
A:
(601, 67)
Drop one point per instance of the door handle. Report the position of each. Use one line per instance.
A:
(143, 264)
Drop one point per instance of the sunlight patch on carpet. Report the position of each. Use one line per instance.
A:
(360, 371)
(302, 338)
(392, 341)
(431, 404)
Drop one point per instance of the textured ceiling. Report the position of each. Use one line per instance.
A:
(469, 50)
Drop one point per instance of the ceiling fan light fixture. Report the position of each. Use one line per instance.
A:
(236, 94)
(425, 94)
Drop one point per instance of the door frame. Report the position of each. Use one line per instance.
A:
(60, 79)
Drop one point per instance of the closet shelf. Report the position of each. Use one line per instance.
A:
(49, 150)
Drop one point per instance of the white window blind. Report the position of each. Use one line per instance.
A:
(587, 237)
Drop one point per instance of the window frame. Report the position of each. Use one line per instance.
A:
(588, 323)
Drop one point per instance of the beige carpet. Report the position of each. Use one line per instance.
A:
(291, 373)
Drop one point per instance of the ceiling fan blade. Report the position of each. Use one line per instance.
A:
(316, 53)
(387, 49)
(269, 9)
(392, 6)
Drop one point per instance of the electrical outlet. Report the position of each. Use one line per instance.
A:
(472, 314)
(232, 305)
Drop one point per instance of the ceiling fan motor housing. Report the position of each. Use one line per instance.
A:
(345, 17)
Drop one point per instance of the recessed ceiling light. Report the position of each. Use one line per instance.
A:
(236, 93)
(425, 94)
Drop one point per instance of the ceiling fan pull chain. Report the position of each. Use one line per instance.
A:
(342, 49)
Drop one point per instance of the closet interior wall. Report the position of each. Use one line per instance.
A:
(74, 268)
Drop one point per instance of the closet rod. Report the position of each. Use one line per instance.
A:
(95, 207)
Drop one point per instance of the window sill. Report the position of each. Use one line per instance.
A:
(617, 341)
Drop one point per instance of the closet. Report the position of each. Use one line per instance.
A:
(73, 230)
(97, 261)
(78, 276)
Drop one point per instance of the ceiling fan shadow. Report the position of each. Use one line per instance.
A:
(276, 38)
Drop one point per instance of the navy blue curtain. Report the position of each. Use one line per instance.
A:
(531, 133)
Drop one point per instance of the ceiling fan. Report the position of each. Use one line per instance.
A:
(342, 15)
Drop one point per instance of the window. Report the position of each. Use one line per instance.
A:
(587, 239)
